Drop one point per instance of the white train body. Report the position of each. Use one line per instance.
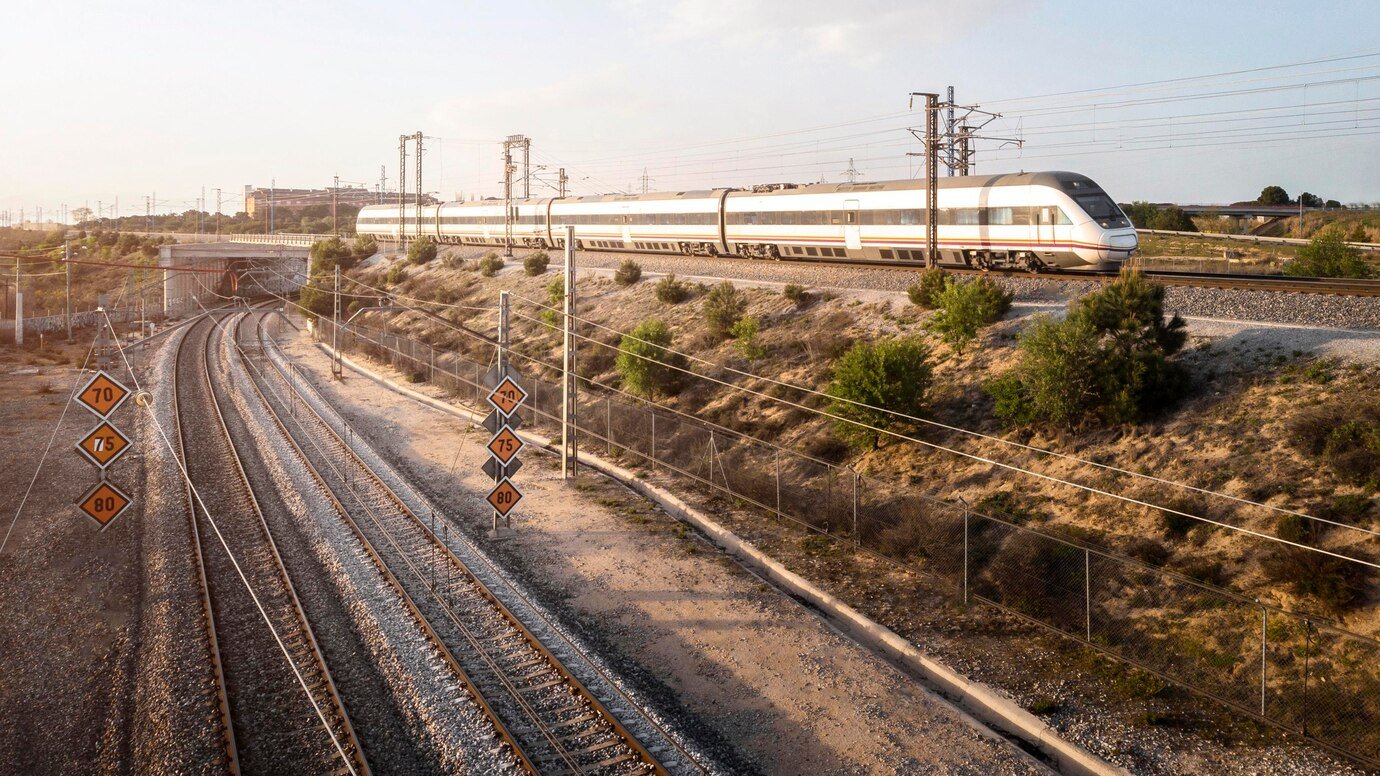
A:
(1032, 220)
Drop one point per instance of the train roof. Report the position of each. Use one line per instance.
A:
(1066, 181)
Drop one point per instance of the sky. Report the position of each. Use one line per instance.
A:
(136, 99)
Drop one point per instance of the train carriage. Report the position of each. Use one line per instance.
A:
(1031, 220)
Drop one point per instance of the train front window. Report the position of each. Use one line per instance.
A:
(1102, 210)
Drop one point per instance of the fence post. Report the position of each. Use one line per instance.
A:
(1087, 593)
(778, 482)
(965, 553)
(653, 456)
(1264, 643)
(857, 540)
(608, 424)
(1307, 650)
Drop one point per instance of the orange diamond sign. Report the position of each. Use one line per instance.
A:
(508, 396)
(103, 445)
(103, 395)
(504, 497)
(505, 445)
(104, 503)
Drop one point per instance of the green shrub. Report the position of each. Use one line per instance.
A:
(1109, 359)
(645, 363)
(1335, 583)
(1345, 437)
(628, 272)
(723, 306)
(744, 335)
(396, 274)
(555, 292)
(796, 294)
(932, 281)
(317, 297)
(422, 251)
(364, 247)
(490, 264)
(329, 253)
(966, 307)
(1329, 256)
(887, 376)
(1352, 508)
(672, 291)
(536, 263)
(1359, 234)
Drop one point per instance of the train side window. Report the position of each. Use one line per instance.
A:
(1060, 218)
(1000, 216)
(850, 217)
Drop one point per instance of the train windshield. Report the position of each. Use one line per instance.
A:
(1103, 210)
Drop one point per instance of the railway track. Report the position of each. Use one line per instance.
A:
(1277, 283)
(270, 725)
(544, 714)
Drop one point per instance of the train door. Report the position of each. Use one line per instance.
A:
(852, 233)
(1044, 230)
(627, 226)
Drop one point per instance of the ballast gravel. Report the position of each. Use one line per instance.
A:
(1332, 310)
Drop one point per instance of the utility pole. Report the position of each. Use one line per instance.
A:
(335, 190)
(383, 182)
(402, 188)
(217, 211)
(526, 167)
(508, 194)
(646, 181)
(272, 189)
(67, 262)
(336, 371)
(18, 307)
(561, 182)
(418, 138)
(958, 152)
(931, 154)
(148, 216)
(569, 383)
(949, 133)
(852, 172)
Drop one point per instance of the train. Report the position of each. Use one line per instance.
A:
(1029, 220)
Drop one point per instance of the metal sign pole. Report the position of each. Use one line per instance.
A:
(569, 454)
(503, 302)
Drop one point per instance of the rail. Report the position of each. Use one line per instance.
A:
(299, 644)
(517, 677)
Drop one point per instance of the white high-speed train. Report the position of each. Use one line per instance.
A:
(1031, 220)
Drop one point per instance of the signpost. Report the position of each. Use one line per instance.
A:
(103, 395)
(102, 446)
(104, 503)
(505, 397)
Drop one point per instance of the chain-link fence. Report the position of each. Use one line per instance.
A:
(1301, 674)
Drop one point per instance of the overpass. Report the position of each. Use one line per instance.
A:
(215, 271)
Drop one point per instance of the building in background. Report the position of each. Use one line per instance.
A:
(287, 200)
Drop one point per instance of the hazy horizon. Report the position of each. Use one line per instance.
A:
(124, 102)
